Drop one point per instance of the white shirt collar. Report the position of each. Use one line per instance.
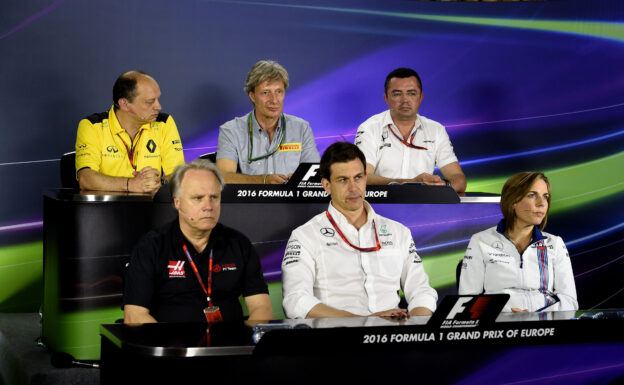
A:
(387, 119)
(341, 220)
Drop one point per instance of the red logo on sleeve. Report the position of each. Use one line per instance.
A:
(176, 269)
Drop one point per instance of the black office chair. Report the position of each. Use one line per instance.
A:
(458, 270)
(212, 156)
(68, 170)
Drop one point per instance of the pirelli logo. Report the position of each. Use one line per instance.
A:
(289, 147)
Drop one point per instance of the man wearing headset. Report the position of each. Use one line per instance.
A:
(349, 261)
(402, 146)
(266, 144)
(131, 146)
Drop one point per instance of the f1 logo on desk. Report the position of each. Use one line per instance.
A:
(306, 176)
(311, 172)
(468, 311)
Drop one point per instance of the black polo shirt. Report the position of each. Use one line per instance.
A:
(160, 278)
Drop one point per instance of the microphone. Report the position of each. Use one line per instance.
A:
(64, 360)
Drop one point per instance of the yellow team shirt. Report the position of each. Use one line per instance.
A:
(103, 146)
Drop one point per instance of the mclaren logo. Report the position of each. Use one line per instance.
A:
(112, 149)
(328, 232)
(151, 146)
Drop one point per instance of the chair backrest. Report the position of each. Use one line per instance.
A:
(213, 157)
(210, 156)
(458, 270)
(68, 170)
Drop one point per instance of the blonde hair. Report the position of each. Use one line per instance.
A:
(263, 70)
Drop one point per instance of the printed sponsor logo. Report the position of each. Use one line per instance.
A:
(176, 269)
(384, 229)
(151, 146)
(223, 267)
(286, 147)
(81, 145)
(175, 141)
(332, 243)
(387, 243)
(541, 246)
(112, 149)
(288, 261)
(328, 232)
(498, 245)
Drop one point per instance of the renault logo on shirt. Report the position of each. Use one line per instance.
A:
(112, 149)
(151, 146)
(326, 231)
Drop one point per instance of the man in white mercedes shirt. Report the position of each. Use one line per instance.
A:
(401, 145)
(349, 261)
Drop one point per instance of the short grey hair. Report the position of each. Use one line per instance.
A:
(263, 70)
(197, 164)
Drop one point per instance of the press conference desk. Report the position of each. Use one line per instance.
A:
(518, 347)
(88, 238)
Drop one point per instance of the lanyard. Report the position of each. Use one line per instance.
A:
(131, 149)
(190, 259)
(251, 139)
(364, 249)
(409, 144)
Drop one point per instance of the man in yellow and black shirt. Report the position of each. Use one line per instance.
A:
(132, 146)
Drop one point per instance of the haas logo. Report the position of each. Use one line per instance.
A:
(176, 269)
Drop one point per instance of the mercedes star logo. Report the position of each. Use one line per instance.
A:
(326, 231)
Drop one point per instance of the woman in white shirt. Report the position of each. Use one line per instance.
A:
(516, 257)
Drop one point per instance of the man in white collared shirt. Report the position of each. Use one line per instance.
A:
(402, 146)
(349, 261)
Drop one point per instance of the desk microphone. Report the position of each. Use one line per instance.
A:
(64, 360)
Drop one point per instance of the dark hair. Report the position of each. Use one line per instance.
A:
(514, 190)
(125, 86)
(339, 152)
(402, 73)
